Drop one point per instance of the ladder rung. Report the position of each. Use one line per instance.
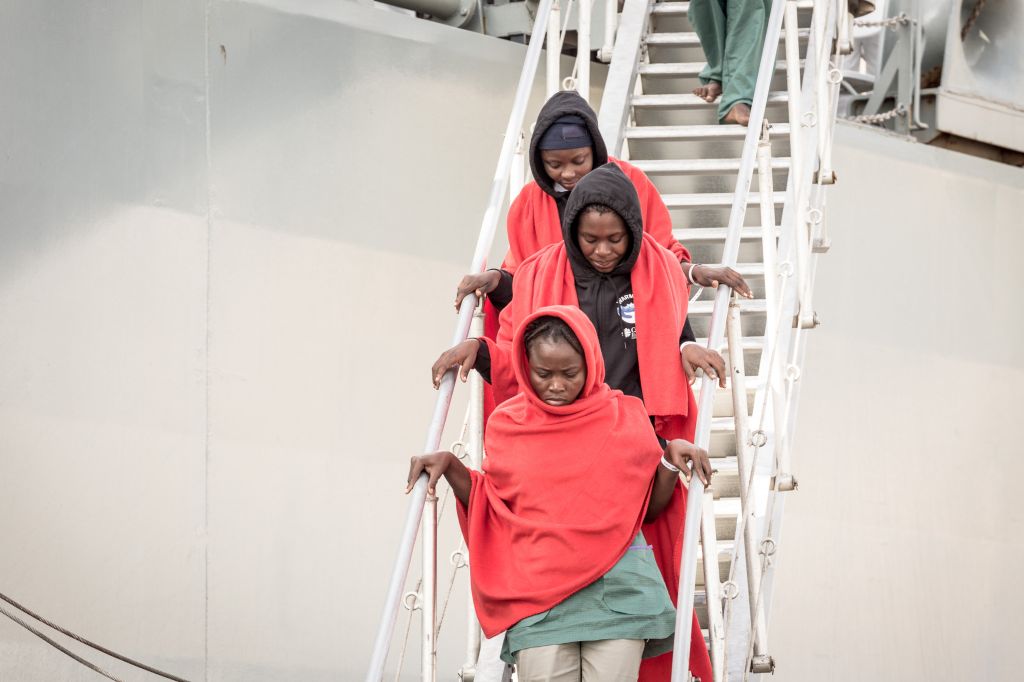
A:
(691, 235)
(748, 343)
(747, 305)
(729, 131)
(675, 8)
(715, 199)
(690, 39)
(691, 101)
(685, 69)
(700, 166)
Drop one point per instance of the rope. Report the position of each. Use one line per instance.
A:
(405, 641)
(969, 24)
(873, 119)
(57, 646)
(892, 22)
(86, 642)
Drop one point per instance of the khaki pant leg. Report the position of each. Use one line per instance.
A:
(555, 663)
(612, 660)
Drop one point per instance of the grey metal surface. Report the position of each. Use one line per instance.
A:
(982, 91)
(877, 553)
(206, 419)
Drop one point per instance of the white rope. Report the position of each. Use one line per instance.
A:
(405, 641)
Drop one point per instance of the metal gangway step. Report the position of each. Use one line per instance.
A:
(752, 198)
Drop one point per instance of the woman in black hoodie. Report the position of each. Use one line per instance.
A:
(566, 145)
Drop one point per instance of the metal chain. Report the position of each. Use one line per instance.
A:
(873, 119)
(969, 24)
(892, 22)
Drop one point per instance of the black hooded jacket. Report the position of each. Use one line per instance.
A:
(564, 103)
(605, 298)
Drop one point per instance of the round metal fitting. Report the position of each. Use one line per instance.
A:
(809, 119)
(411, 601)
(730, 589)
(793, 373)
(458, 448)
(835, 76)
(758, 438)
(459, 559)
(814, 216)
(768, 547)
(568, 83)
(785, 268)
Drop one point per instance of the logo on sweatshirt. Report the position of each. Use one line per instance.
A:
(627, 313)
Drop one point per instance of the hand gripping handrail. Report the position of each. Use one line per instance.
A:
(488, 227)
(716, 333)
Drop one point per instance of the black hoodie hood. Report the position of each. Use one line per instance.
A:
(606, 185)
(565, 103)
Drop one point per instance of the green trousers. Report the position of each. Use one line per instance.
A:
(732, 35)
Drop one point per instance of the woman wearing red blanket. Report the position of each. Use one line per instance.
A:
(566, 145)
(634, 294)
(574, 487)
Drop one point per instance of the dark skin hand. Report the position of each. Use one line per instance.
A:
(462, 356)
(695, 356)
(713, 275)
(679, 453)
(479, 284)
(438, 464)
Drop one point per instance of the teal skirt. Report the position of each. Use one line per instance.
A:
(629, 602)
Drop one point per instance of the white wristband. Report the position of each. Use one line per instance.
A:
(689, 273)
(669, 465)
(684, 344)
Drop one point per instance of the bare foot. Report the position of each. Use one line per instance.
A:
(740, 113)
(709, 92)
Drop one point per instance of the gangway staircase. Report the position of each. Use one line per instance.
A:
(770, 226)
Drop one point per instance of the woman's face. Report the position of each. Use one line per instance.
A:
(557, 371)
(603, 239)
(567, 166)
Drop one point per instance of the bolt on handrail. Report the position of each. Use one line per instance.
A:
(488, 227)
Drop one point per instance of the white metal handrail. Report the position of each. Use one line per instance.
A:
(418, 501)
(716, 333)
(782, 351)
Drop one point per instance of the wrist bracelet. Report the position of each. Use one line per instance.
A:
(689, 273)
(669, 465)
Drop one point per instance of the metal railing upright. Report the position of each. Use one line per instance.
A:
(418, 500)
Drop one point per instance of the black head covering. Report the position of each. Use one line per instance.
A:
(606, 185)
(565, 103)
(568, 132)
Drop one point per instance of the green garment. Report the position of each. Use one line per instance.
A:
(732, 35)
(629, 602)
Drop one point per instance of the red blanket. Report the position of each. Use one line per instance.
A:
(659, 294)
(533, 221)
(563, 492)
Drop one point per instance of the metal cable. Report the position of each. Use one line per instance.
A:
(58, 647)
(969, 24)
(86, 642)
